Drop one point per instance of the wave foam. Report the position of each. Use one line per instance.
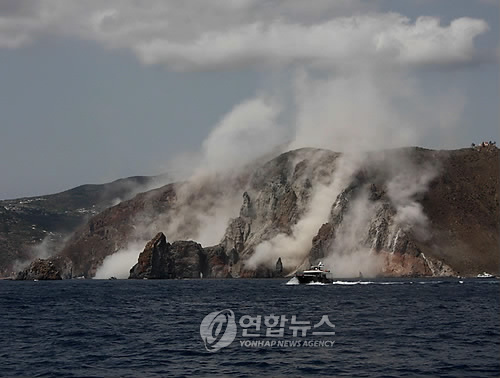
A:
(293, 281)
(368, 283)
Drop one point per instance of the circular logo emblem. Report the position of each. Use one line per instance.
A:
(218, 330)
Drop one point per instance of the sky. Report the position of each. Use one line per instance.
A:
(92, 91)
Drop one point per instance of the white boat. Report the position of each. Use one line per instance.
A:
(315, 274)
(485, 275)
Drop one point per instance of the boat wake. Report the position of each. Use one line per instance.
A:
(359, 283)
(349, 283)
(293, 281)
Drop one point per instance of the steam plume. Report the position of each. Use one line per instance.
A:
(118, 264)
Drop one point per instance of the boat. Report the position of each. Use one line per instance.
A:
(485, 275)
(315, 274)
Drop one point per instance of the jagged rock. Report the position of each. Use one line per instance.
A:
(322, 242)
(152, 260)
(222, 263)
(279, 267)
(40, 270)
(278, 195)
(64, 266)
(187, 259)
(438, 268)
(183, 259)
(237, 234)
(247, 210)
(160, 259)
(375, 192)
(219, 263)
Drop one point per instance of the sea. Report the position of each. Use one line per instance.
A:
(250, 327)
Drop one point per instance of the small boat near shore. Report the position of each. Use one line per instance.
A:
(315, 274)
(485, 275)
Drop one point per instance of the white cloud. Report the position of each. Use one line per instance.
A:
(200, 35)
(20, 21)
(381, 39)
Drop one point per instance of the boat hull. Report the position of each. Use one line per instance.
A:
(304, 279)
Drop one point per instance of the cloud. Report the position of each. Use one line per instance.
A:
(20, 21)
(193, 35)
(381, 39)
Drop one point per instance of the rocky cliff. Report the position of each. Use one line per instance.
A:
(38, 226)
(405, 212)
(40, 270)
(181, 259)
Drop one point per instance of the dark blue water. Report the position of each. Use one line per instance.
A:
(152, 328)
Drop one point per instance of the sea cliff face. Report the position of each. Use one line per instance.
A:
(406, 212)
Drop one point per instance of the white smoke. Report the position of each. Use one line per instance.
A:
(357, 113)
(359, 262)
(249, 131)
(370, 111)
(48, 247)
(211, 195)
(403, 190)
(214, 222)
(405, 182)
(354, 90)
(119, 263)
(293, 248)
(351, 113)
(348, 255)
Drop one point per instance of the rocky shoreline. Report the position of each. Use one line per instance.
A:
(189, 260)
(456, 235)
